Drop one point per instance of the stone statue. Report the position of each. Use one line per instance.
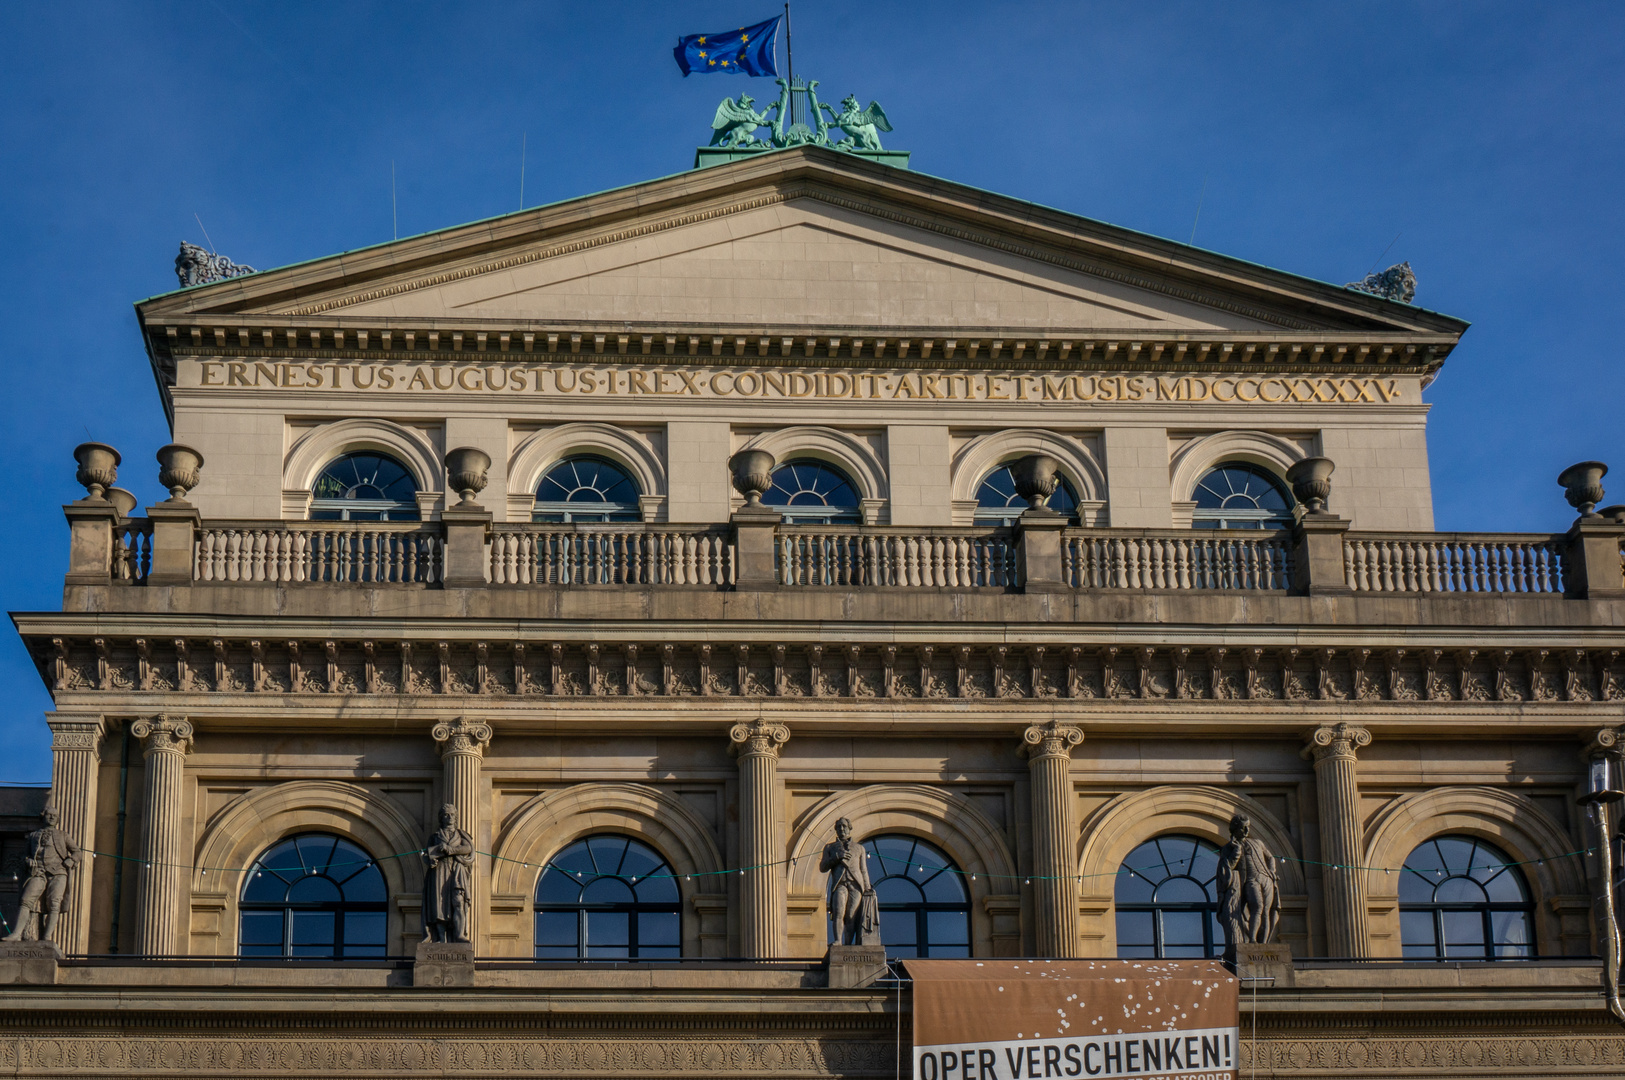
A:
(194, 266)
(862, 127)
(1249, 889)
(52, 855)
(1395, 283)
(736, 123)
(852, 902)
(448, 884)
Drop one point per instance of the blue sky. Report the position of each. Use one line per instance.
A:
(1486, 137)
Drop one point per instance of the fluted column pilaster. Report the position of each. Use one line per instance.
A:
(76, 743)
(1337, 792)
(461, 743)
(1049, 761)
(761, 886)
(165, 742)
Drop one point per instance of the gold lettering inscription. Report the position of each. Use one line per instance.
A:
(775, 385)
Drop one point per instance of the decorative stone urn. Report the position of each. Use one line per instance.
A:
(1614, 514)
(1311, 481)
(123, 501)
(98, 467)
(179, 470)
(1035, 479)
(1584, 484)
(752, 475)
(466, 473)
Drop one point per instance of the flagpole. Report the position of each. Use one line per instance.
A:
(789, 49)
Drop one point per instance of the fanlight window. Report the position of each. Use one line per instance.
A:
(998, 504)
(1241, 496)
(1458, 897)
(314, 896)
(1168, 900)
(587, 489)
(810, 492)
(364, 487)
(608, 897)
(924, 907)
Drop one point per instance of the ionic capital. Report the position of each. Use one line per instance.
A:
(75, 732)
(1336, 741)
(461, 736)
(1050, 740)
(757, 738)
(1607, 741)
(163, 735)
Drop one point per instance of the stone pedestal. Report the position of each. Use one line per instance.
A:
(852, 967)
(443, 963)
(28, 963)
(1038, 551)
(755, 531)
(1270, 965)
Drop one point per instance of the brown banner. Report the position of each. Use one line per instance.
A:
(1037, 1019)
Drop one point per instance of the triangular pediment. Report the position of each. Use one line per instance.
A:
(802, 239)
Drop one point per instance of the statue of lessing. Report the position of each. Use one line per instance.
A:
(52, 855)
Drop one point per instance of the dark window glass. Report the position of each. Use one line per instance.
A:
(1460, 898)
(1168, 901)
(608, 898)
(587, 489)
(364, 487)
(998, 504)
(924, 906)
(1241, 496)
(810, 492)
(316, 896)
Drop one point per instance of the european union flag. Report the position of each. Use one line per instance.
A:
(746, 51)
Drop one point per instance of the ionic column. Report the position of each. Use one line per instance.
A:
(1338, 795)
(761, 900)
(165, 742)
(75, 757)
(1049, 759)
(462, 744)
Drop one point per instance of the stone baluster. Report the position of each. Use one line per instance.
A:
(761, 899)
(1049, 760)
(462, 744)
(165, 742)
(1333, 748)
(75, 757)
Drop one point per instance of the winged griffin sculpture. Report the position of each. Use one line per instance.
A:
(736, 123)
(862, 127)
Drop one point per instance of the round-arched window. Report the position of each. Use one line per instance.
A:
(813, 493)
(1168, 901)
(364, 486)
(587, 489)
(1460, 897)
(608, 897)
(314, 896)
(1240, 495)
(924, 906)
(998, 504)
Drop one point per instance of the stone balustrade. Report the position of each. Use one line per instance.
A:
(1454, 563)
(590, 554)
(326, 552)
(1317, 557)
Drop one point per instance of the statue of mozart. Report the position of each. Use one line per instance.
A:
(1249, 889)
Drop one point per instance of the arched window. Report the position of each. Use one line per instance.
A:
(998, 504)
(924, 908)
(1167, 900)
(608, 897)
(1459, 897)
(1239, 495)
(315, 896)
(587, 489)
(365, 486)
(810, 492)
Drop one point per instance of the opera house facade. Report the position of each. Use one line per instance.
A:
(615, 551)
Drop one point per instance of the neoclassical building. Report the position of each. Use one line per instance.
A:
(659, 530)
